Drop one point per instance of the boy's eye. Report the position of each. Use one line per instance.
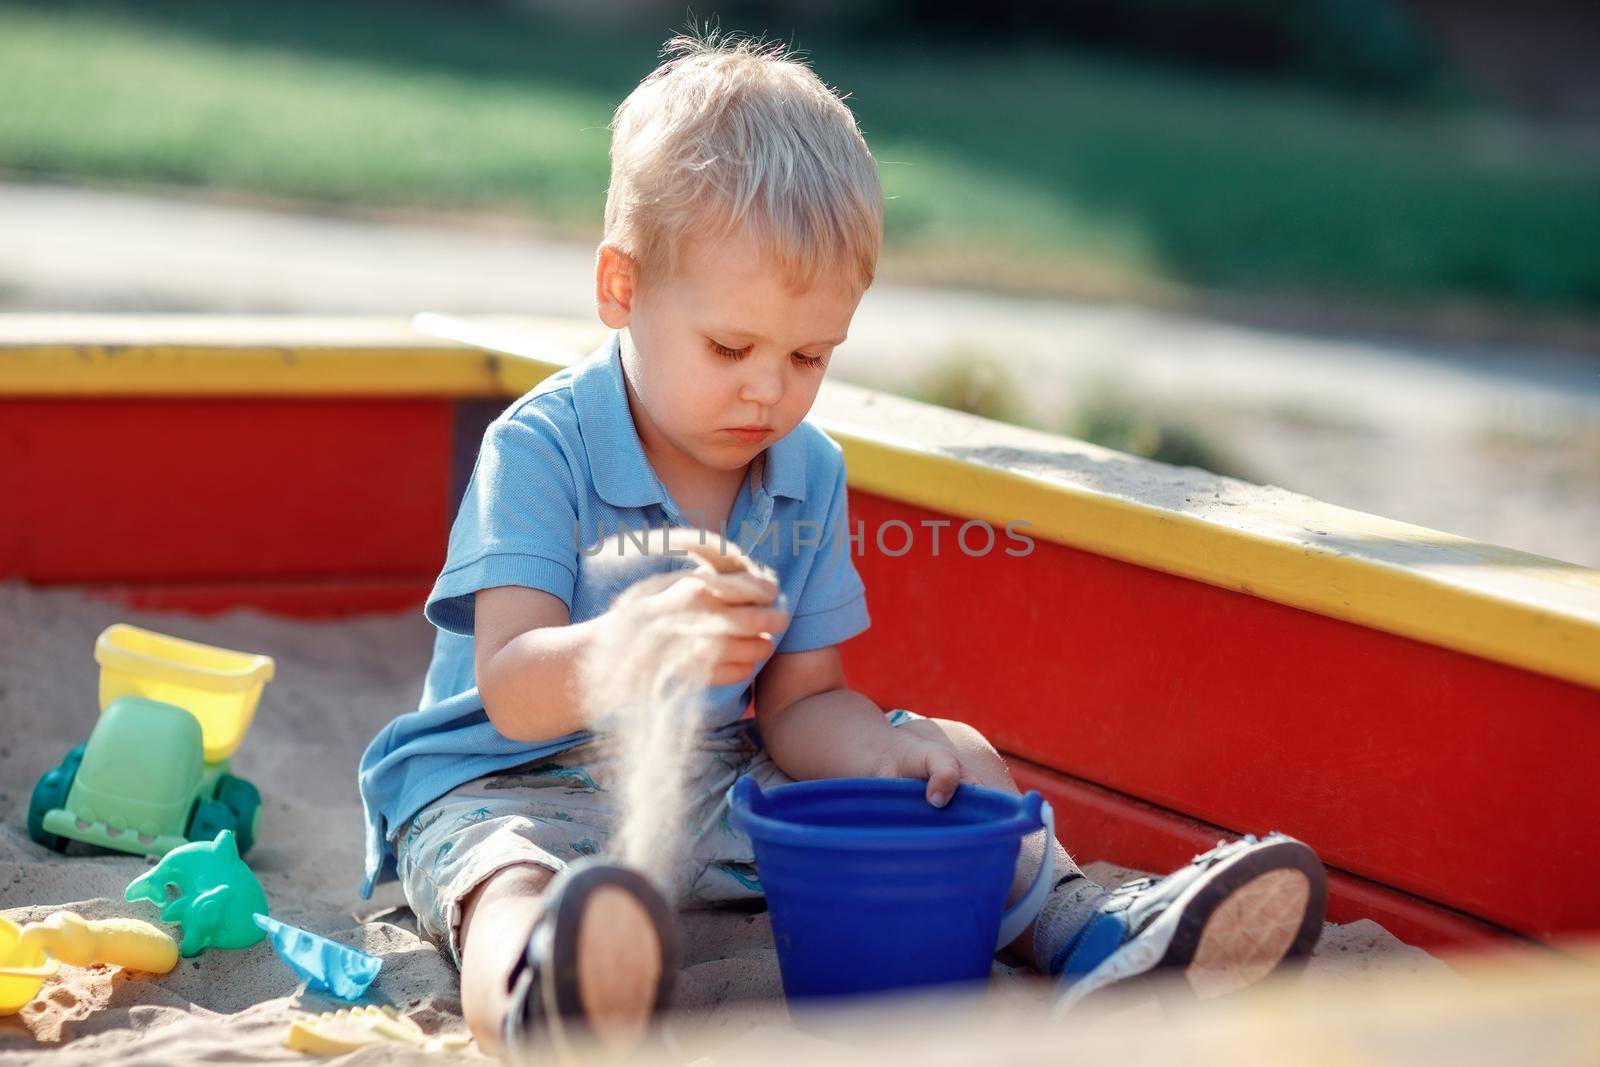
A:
(813, 362)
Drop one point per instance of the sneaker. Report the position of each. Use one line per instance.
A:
(1225, 921)
(610, 997)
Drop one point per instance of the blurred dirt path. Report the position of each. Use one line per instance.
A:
(1499, 444)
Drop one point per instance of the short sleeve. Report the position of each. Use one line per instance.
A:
(832, 606)
(516, 522)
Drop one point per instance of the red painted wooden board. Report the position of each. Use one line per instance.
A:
(222, 489)
(1095, 823)
(1450, 777)
(323, 599)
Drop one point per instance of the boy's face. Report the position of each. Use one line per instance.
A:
(722, 346)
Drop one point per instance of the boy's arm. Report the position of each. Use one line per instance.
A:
(526, 654)
(814, 725)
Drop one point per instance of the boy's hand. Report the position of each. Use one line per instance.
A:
(916, 753)
(731, 607)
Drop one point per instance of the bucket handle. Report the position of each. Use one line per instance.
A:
(1019, 915)
(746, 792)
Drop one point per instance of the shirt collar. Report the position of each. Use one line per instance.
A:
(622, 475)
(785, 472)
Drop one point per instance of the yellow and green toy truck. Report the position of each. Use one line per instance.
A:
(154, 773)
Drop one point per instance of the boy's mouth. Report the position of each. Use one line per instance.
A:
(750, 434)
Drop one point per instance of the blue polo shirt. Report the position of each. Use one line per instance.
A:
(560, 469)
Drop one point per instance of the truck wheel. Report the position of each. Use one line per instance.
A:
(210, 818)
(51, 792)
(244, 800)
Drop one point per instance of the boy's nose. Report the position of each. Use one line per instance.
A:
(764, 387)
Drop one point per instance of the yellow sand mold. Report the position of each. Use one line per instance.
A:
(30, 954)
(334, 1033)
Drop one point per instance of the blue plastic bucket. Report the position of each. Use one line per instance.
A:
(871, 888)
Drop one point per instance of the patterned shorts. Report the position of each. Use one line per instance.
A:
(553, 810)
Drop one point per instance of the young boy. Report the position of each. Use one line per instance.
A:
(743, 224)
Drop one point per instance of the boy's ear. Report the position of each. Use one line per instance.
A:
(615, 279)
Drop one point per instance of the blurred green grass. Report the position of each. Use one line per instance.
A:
(1029, 169)
(971, 379)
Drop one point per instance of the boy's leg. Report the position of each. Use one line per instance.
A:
(496, 922)
(479, 867)
(1226, 920)
(614, 969)
(1074, 896)
(719, 862)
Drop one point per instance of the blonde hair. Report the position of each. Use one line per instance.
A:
(731, 136)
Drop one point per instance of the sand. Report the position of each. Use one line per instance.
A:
(336, 684)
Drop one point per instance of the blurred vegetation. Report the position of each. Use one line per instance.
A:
(970, 380)
(1026, 166)
(1111, 420)
(1356, 46)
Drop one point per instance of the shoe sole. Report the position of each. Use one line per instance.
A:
(612, 959)
(1249, 933)
(1237, 924)
(620, 960)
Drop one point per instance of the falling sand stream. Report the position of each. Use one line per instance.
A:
(644, 688)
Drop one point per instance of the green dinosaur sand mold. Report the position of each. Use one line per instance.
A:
(217, 894)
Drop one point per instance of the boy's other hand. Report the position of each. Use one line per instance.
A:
(915, 753)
